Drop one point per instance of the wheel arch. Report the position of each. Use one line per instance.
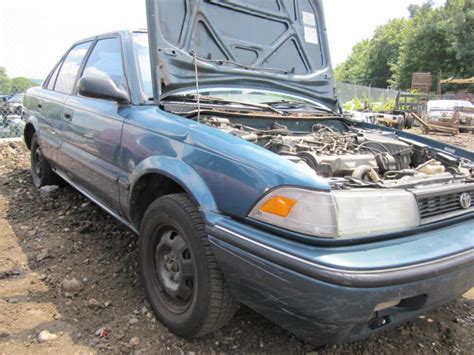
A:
(28, 133)
(162, 176)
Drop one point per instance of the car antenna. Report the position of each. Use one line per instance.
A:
(197, 86)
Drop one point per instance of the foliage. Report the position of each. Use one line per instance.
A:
(383, 105)
(424, 47)
(384, 52)
(21, 84)
(5, 83)
(12, 86)
(431, 40)
(354, 69)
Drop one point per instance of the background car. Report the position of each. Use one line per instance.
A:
(437, 111)
(14, 105)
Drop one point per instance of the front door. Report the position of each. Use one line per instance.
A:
(92, 128)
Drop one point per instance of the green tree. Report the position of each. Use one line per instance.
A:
(5, 83)
(431, 40)
(460, 32)
(21, 84)
(384, 52)
(354, 69)
(425, 47)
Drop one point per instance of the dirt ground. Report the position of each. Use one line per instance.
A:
(46, 238)
(463, 140)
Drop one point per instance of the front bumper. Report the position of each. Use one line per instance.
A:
(334, 295)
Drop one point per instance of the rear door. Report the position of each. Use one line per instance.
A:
(92, 128)
(49, 102)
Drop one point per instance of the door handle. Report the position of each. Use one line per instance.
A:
(68, 116)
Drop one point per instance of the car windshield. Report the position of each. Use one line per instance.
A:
(258, 96)
(142, 53)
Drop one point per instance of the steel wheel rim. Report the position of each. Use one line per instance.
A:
(174, 269)
(37, 162)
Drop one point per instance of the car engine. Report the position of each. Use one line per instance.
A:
(354, 157)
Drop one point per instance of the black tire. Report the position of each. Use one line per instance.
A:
(190, 303)
(409, 122)
(401, 124)
(41, 171)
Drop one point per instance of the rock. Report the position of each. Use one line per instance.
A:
(72, 285)
(45, 336)
(119, 335)
(94, 304)
(134, 341)
(5, 335)
(4, 181)
(43, 254)
(13, 300)
(133, 321)
(49, 191)
(85, 227)
(32, 233)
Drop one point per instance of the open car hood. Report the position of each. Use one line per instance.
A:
(275, 44)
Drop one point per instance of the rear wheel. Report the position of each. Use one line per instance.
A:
(41, 171)
(183, 282)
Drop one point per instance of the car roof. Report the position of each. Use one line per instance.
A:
(448, 103)
(113, 33)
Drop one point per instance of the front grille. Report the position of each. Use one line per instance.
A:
(442, 203)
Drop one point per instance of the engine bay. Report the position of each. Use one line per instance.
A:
(353, 157)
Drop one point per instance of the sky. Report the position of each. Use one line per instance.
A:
(34, 34)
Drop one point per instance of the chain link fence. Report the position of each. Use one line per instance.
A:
(349, 92)
(11, 115)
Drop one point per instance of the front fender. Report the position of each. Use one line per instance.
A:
(183, 174)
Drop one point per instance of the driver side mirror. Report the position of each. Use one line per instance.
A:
(102, 88)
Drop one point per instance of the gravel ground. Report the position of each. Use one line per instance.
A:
(69, 284)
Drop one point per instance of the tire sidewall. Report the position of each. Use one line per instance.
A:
(37, 180)
(401, 124)
(167, 212)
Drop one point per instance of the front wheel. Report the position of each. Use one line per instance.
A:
(182, 280)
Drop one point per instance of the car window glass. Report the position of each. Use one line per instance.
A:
(105, 61)
(52, 79)
(70, 68)
(142, 53)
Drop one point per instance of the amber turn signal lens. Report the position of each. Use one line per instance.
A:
(278, 205)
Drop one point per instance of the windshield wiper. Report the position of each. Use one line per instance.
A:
(295, 105)
(218, 100)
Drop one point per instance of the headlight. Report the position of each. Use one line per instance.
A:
(338, 214)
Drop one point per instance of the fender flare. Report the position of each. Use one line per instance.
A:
(30, 121)
(180, 172)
